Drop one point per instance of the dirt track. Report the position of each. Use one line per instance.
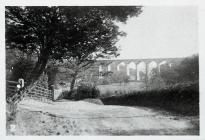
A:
(83, 118)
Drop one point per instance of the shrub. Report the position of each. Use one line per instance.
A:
(21, 69)
(187, 70)
(66, 94)
(156, 83)
(87, 90)
(180, 98)
(103, 81)
(119, 77)
(169, 75)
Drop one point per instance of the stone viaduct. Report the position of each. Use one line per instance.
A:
(134, 68)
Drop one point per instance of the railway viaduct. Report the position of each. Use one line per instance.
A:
(135, 67)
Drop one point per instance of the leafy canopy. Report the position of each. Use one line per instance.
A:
(78, 34)
(70, 32)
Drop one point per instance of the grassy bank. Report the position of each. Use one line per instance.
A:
(114, 88)
(180, 98)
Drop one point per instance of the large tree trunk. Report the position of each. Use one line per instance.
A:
(39, 68)
(73, 83)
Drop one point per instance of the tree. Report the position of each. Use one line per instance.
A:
(186, 70)
(78, 34)
(155, 81)
(169, 75)
(96, 37)
(120, 77)
(35, 31)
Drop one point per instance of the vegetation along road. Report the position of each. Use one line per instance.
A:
(84, 118)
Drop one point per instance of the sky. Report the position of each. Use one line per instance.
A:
(160, 32)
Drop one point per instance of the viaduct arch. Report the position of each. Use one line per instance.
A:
(136, 68)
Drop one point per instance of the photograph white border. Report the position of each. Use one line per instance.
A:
(201, 42)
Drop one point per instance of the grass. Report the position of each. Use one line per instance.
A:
(119, 89)
(181, 98)
(107, 90)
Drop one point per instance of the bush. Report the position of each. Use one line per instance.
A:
(103, 81)
(187, 70)
(87, 90)
(21, 69)
(119, 77)
(180, 98)
(169, 75)
(155, 81)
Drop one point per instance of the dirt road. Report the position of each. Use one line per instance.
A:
(83, 118)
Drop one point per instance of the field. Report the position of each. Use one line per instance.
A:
(118, 89)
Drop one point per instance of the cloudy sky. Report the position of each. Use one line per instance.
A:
(160, 32)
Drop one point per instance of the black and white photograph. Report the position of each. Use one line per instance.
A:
(107, 70)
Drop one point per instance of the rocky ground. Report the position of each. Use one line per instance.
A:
(85, 118)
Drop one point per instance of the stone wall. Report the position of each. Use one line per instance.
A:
(40, 89)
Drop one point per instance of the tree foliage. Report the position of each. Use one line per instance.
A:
(155, 81)
(187, 70)
(120, 77)
(21, 69)
(169, 75)
(78, 34)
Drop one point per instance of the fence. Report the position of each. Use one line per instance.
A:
(13, 93)
(11, 87)
(38, 90)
